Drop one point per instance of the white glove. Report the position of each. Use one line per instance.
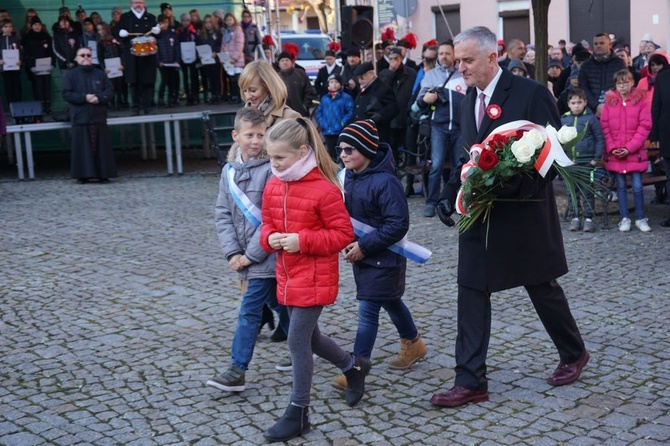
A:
(156, 30)
(123, 33)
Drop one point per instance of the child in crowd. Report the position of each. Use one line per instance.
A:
(306, 223)
(375, 199)
(238, 220)
(212, 74)
(89, 36)
(169, 52)
(109, 48)
(12, 78)
(37, 44)
(335, 111)
(588, 152)
(626, 122)
(232, 44)
(67, 40)
(189, 69)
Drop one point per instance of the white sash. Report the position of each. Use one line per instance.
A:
(404, 247)
(250, 211)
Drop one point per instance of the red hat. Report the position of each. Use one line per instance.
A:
(409, 40)
(292, 49)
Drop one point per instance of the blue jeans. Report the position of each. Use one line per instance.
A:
(368, 323)
(259, 292)
(638, 194)
(442, 144)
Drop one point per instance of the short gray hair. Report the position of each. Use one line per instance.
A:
(484, 37)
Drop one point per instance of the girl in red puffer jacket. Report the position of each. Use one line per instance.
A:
(626, 123)
(306, 223)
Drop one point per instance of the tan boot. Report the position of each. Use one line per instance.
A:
(410, 352)
(340, 382)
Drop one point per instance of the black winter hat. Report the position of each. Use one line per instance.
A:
(335, 76)
(363, 136)
(34, 19)
(285, 55)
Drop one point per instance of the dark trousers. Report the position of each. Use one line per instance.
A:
(214, 75)
(42, 87)
(474, 329)
(143, 94)
(191, 82)
(169, 81)
(12, 80)
(331, 143)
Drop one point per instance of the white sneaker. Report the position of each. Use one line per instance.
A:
(624, 224)
(643, 225)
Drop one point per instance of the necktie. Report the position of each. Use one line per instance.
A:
(482, 110)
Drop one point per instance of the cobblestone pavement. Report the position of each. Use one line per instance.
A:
(116, 305)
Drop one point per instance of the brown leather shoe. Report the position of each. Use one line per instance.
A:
(567, 373)
(458, 395)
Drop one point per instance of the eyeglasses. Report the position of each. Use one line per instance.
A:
(346, 150)
(85, 55)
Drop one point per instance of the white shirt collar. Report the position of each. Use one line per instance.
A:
(490, 88)
(138, 14)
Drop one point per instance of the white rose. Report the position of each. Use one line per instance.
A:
(522, 150)
(566, 134)
(550, 129)
(533, 138)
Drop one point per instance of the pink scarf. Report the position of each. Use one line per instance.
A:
(299, 169)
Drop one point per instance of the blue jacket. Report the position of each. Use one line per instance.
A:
(591, 147)
(335, 113)
(376, 197)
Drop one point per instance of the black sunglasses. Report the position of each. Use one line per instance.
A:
(86, 55)
(347, 150)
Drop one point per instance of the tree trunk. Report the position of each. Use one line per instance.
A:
(540, 24)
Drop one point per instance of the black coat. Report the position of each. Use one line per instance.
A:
(66, 44)
(597, 76)
(660, 112)
(376, 197)
(77, 83)
(376, 102)
(36, 46)
(137, 69)
(525, 244)
(401, 82)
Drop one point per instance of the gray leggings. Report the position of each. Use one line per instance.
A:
(304, 338)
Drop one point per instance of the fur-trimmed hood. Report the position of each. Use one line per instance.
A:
(636, 95)
(235, 151)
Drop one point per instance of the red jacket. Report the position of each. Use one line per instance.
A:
(626, 124)
(312, 207)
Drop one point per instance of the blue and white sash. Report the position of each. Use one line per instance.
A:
(250, 211)
(404, 247)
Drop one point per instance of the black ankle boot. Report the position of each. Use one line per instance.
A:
(356, 380)
(294, 422)
(268, 318)
(279, 335)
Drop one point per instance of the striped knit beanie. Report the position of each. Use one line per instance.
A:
(362, 135)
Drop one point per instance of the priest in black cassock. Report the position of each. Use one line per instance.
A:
(87, 91)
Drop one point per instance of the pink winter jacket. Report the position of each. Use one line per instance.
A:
(233, 44)
(626, 123)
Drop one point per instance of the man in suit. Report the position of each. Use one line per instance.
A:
(490, 259)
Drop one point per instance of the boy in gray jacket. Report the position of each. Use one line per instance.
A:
(238, 220)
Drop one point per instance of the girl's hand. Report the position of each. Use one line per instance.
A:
(353, 253)
(274, 240)
(291, 243)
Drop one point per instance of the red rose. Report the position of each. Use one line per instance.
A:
(487, 160)
(498, 142)
(519, 134)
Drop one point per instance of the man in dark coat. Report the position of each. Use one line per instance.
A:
(401, 81)
(660, 117)
(596, 75)
(87, 91)
(520, 244)
(374, 101)
(139, 71)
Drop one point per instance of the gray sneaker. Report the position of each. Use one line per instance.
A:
(574, 225)
(285, 365)
(232, 380)
(589, 226)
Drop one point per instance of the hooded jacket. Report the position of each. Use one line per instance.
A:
(592, 145)
(376, 197)
(626, 123)
(237, 235)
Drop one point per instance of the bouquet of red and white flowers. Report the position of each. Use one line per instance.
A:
(519, 147)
